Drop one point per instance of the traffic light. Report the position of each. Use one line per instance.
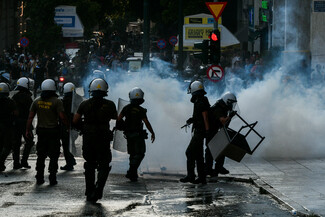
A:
(204, 55)
(214, 47)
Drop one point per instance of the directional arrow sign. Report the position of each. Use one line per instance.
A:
(216, 8)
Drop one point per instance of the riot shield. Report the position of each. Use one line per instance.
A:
(119, 142)
(73, 135)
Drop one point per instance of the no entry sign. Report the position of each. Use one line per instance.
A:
(215, 73)
(161, 43)
(173, 40)
(24, 42)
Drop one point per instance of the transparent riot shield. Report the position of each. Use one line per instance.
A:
(76, 100)
(119, 142)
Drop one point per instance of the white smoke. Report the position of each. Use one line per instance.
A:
(290, 113)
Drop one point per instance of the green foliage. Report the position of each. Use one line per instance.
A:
(44, 34)
(42, 31)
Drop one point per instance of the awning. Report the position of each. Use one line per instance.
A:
(227, 38)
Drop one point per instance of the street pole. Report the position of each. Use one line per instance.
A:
(180, 35)
(146, 29)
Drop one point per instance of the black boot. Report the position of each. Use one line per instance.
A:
(17, 165)
(187, 179)
(101, 181)
(200, 180)
(90, 183)
(67, 167)
(39, 178)
(52, 179)
(25, 164)
(2, 167)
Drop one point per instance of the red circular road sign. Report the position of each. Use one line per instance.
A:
(173, 40)
(161, 43)
(24, 42)
(215, 73)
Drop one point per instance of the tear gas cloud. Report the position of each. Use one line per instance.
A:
(290, 114)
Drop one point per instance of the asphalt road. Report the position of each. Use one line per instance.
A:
(153, 195)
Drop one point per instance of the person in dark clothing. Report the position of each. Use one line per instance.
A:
(68, 90)
(220, 115)
(49, 110)
(39, 76)
(135, 116)
(8, 113)
(96, 150)
(194, 151)
(23, 99)
(15, 73)
(51, 68)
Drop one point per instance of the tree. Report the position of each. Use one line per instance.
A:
(42, 31)
(44, 35)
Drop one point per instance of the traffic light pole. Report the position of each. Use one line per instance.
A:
(146, 30)
(180, 36)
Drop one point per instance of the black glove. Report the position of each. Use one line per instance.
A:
(190, 121)
(232, 114)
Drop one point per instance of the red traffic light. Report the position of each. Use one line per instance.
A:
(61, 79)
(214, 36)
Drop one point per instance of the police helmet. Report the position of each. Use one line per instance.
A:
(4, 88)
(48, 85)
(68, 87)
(136, 93)
(31, 83)
(23, 82)
(229, 99)
(98, 84)
(196, 87)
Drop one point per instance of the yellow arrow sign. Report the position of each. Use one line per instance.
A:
(216, 8)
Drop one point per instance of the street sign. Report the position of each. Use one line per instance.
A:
(161, 43)
(216, 8)
(173, 40)
(24, 41)
(215, 73)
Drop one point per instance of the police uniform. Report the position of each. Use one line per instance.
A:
(65, 136)
(7, 109)
(218, 110)
(48, 144)
(135, 135)
(97, 113)
(194, 151)
(23, 100)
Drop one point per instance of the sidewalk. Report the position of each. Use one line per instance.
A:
(298, 184)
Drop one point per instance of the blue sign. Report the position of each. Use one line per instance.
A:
(210, 20)
(65, 21)
(173, 40)
(24, 42)
(161, 43)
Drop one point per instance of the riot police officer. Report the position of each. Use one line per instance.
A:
(49, 110)
(135, 116)
(23, 99)
(68, 90)
(199, 119)
(220, 115)
(8, 113)
(97, 113)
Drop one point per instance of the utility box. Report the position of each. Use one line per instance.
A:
(233, 144)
